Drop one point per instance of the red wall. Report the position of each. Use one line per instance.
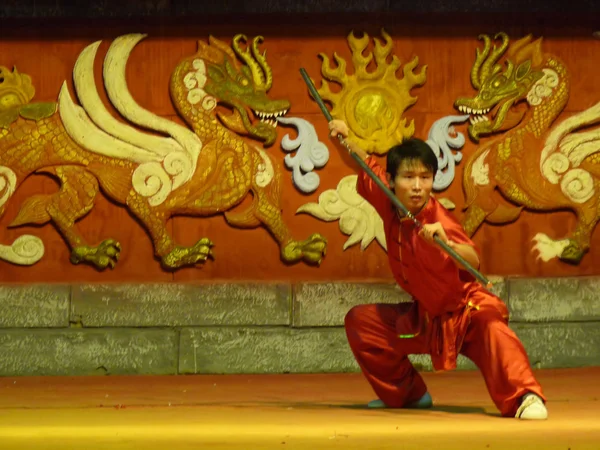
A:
(254, 254)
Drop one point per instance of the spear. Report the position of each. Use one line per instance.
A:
(311, 87)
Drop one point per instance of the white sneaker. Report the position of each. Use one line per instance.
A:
(532, 408)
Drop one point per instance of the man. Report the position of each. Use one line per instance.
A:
(451, 312)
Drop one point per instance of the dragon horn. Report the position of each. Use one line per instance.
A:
(488, 65)
(262, 61)
(480, 58)
(245, 55)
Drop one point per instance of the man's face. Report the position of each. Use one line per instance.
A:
(412, 185)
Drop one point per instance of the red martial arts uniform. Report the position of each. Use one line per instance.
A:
(451, 313)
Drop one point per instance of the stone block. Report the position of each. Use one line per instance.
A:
(88, 352)
(264, 350)
(561, 345)
(326, 304)
(554, 299)
(181, 305)
(34, 305)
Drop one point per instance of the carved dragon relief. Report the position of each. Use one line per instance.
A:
(16, 92)
(202, 170)
(534, 163)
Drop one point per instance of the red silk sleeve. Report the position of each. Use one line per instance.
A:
(454, 230)
(372, 193)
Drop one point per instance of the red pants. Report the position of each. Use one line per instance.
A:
(489, 343)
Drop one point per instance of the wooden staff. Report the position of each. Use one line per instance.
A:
(311, 87)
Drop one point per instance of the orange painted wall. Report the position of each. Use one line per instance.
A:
(48, 56)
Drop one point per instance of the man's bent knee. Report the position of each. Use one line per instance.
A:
(353, 317)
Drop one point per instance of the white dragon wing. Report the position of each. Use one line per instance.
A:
(565, 150)
(170, 161)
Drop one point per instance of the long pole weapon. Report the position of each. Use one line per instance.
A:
(311, 87)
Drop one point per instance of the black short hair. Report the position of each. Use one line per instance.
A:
(413, 149)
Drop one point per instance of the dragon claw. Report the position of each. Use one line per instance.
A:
(566, 250)
(311, 250)
(106, 254)
(572, 253)
(181, 256)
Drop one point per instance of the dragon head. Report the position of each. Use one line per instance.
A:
(214, 76)
(16, 89)
(497, 105)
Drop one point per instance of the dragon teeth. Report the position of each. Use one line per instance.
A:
(266, 117)
(465, 109)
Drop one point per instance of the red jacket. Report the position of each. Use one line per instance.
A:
(442, 293)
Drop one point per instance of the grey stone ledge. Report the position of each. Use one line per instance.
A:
(171, 304)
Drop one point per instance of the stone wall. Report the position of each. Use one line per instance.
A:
(185, 329)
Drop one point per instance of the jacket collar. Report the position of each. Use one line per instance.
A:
(422, 215)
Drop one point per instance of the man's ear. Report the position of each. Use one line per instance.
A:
(390, 180)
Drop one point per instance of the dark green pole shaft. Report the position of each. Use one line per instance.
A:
(386, 190)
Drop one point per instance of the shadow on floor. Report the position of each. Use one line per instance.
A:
(452, 409)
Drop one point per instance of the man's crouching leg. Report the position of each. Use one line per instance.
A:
(383, 356)
(503, 361)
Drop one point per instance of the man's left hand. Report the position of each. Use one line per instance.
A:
(429, 231)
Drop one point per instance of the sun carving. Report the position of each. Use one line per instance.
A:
(372, 103)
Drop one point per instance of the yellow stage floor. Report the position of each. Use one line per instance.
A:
(266, 412)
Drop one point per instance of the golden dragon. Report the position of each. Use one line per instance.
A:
(202, 170)
(534, 163)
